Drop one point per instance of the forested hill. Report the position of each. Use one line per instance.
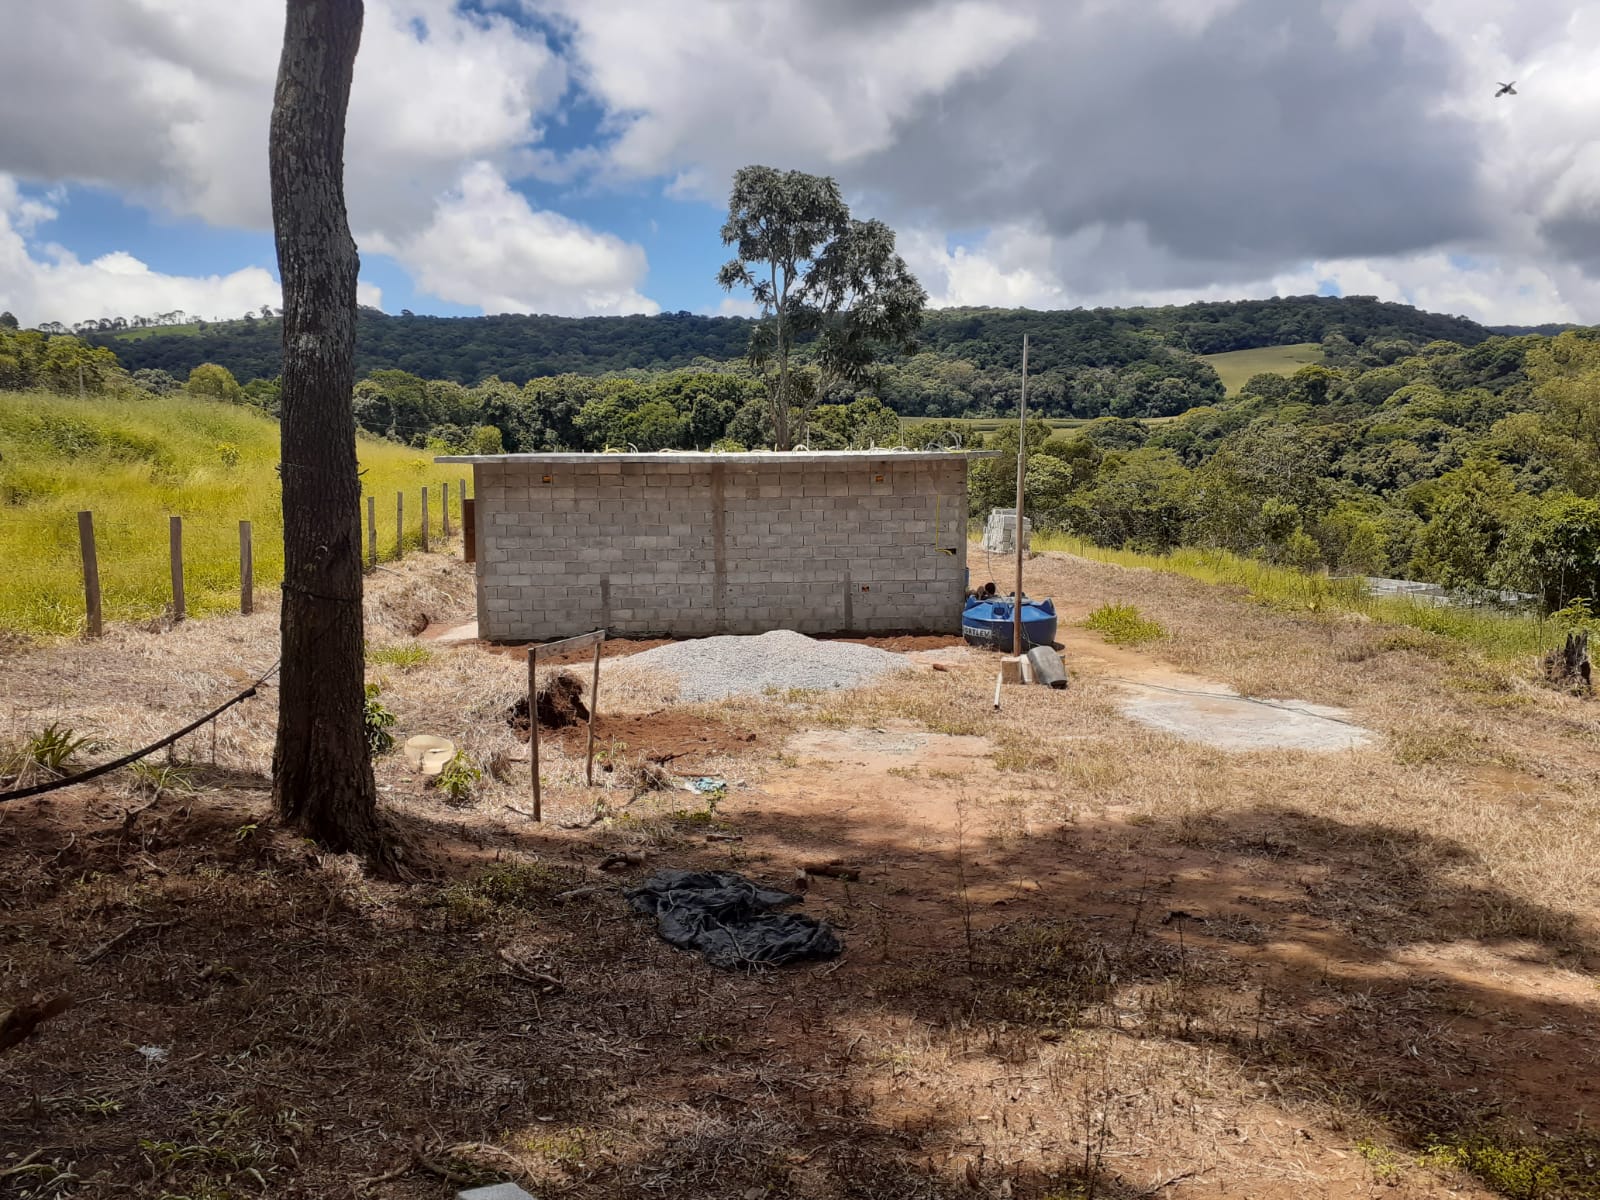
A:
(519, 348)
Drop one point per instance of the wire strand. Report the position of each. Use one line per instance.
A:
(40, 789)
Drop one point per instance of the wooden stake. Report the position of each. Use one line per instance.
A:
(399, 525)
(425, 520)
(533, 726)
(175, 537)
(372, 530)
(594, 706)
(247, 570)
(463, 496)
(469, 531)
(1017, 645)
(444, 508)
(91, 573)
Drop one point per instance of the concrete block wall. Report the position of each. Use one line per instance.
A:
(692, 546)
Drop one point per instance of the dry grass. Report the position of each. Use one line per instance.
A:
(1085, 958)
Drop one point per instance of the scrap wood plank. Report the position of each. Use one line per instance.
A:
(581, 642)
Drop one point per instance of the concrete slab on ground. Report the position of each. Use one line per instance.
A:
(1233, 722)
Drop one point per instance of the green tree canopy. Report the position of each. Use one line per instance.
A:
(814, 273)
(214, 382)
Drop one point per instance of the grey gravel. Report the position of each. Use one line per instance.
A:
(717, 667)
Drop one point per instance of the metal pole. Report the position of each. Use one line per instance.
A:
(1017, 646)
(533, 726)
(594, 708)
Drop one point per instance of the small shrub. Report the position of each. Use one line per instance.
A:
(157, 779)
(1124, 625)
(48, 752)
(404, 656)
(458, 777)
(1521, 1172)
(378, 721)
(505, 885)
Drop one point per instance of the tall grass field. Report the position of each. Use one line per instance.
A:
(134, 462)
(1498, 634)
(1236, 366)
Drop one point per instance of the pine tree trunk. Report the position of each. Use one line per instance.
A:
(322, 780)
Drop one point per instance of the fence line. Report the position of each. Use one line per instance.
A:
(93, 598)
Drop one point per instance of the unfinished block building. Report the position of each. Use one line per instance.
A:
(680, 544)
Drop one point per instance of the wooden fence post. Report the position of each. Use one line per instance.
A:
(425, 491)
(463, 496)
(247, 570)
(175, 537)
(469, 531)
(399, 525)
(91, 573)
(444, 508)
(372, 530)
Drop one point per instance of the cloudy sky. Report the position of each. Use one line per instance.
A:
(573, 156)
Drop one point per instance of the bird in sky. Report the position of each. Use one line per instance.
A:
(1506, 89)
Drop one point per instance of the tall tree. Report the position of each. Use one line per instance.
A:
(813, 272)
(322, 778)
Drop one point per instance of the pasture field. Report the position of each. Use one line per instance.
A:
(1501, 635)
(135, 462)
(1236, 366)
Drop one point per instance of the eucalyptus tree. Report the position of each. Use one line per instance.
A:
(817, 276)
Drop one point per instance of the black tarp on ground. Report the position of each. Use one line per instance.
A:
(730, 920)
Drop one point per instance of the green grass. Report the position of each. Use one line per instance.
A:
(133, 463)
(1236, 366)
(990, 424)
(404, 656)
(1500, 636)
(1124, 625)
(150, 331)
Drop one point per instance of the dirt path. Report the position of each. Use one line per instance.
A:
(1083, 957)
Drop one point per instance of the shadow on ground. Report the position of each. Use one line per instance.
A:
(273, 1023)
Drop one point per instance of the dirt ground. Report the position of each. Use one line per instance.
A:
(1084, 958)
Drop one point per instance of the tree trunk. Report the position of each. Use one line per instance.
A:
(321, 770)
(781, 434)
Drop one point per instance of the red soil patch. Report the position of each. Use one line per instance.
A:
(610, 648)
(666, 736)
(623, 647)
(904, 643)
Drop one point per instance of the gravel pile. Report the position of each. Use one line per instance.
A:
(715, 667)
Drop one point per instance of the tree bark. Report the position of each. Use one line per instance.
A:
(322, 780)
(780, 410)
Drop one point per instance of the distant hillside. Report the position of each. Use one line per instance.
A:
(1549, 330)
(520, 348)
(1235, 367)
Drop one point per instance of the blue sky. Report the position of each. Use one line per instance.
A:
(573, 157)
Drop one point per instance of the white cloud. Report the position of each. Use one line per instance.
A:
(1021, 267)
(170, 100)
(52, 284)
(737, 306)
(712, 85)
(1105, 152)
(487, 246)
